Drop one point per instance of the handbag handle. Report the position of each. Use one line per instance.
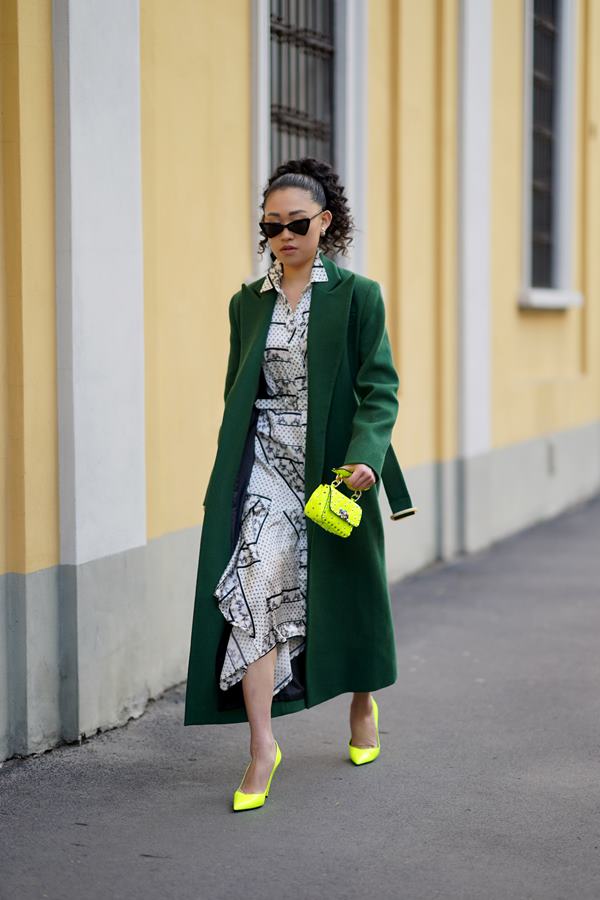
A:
(339, 479)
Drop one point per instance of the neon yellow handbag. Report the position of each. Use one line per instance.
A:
(333, 510)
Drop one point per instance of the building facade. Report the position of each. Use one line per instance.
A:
(137, 136)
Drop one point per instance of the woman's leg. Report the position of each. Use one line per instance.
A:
(362, 720)
(257, 687)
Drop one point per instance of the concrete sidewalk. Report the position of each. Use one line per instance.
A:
(487, 787)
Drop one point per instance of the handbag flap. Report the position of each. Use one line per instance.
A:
(344, 507)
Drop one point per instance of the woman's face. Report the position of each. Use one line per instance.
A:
(286, 205)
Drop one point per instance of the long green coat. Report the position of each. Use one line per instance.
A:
(352, 407)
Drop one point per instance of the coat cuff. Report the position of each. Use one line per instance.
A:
(402, 513)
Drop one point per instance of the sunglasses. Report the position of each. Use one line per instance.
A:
(298, 226)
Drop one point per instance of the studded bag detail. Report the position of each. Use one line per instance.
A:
(333, 510)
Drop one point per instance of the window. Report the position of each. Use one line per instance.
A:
(302, 79)
(550, 34)
(309, 92)
(544, 136)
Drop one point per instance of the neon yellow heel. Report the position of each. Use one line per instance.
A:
(242, 800)
(361, 755)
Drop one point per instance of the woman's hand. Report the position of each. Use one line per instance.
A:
(362, 476)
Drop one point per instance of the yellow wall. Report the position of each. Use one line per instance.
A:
(198, 244)
(546, 375)
(411, 230)
(28, 434)
(196, 167)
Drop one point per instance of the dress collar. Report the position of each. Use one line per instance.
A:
(274, 275)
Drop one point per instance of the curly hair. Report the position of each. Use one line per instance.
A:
(318, 178)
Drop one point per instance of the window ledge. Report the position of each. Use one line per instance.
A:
(549, 298)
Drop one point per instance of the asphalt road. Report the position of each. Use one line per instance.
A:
(487, 787)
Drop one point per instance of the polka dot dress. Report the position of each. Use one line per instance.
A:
(262, 591)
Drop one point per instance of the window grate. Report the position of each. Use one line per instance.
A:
(302, 80)
(545, 69)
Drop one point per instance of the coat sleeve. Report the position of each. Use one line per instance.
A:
(234, 347)
(376, 385)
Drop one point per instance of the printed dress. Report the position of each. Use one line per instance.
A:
(262, 591)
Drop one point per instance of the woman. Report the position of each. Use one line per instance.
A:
(286, 614)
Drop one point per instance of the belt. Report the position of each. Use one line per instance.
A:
(282, 403)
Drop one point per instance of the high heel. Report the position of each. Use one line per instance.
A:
(242, 800)
(361, 755)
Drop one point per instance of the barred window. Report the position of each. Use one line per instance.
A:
(302, 80)
(544, 141)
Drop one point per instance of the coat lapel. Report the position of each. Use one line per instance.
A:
(327, 327)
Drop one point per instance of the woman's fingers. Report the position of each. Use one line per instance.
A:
(362, 477)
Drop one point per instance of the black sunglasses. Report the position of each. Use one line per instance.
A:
(298, 226)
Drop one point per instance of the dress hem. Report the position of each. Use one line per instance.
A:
(293, 654)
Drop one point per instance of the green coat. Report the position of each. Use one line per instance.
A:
(352, 407)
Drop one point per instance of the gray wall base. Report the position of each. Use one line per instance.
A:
(466, 505)
(84, 648)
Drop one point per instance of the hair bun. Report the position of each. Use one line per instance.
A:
(319, 178)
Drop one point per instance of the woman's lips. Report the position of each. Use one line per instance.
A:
(287, 249)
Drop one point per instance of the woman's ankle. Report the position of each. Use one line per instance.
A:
(262, 747)
(361, 704)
